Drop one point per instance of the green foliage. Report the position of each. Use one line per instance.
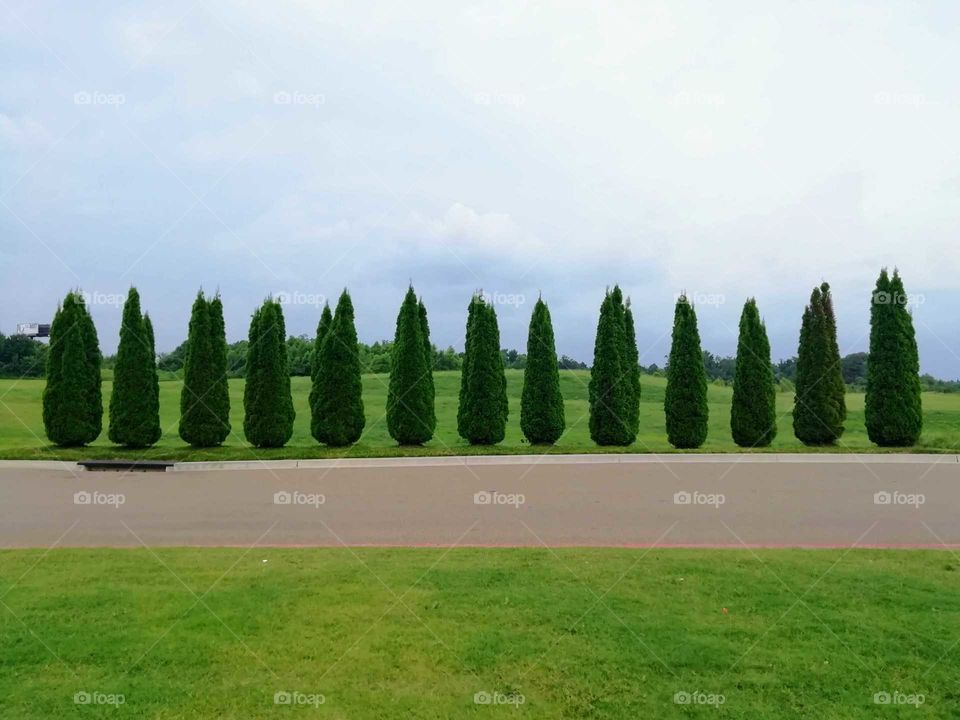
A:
(72, 400)
(337, 417)
(610, 392)
(542, 417)
(632, 357)
(152, 412)
(473, 311)
(410, 413)
(894, 415)
(203, 422)
(267, 403)
(134, 403)
(483, 408)
(22, 357)
(753, 415)
(818, 412)
(323, 326)
(685, 399)
(428, 354)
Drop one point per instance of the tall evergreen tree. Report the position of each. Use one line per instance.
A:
(409, 401)
(893, 410)
(753, 415)
(473, 311)
(541, 404)
(323, 327)
(633, 368)
(609, 389)
(267, 403)
(218, 399)
(817, 415)
(431, 418)
(838, 388)
(484, 410)
(152, 412)
(92, 378)
(338, 418)
(70, 397)
(134, 418)
(685, 400)
(201, 424)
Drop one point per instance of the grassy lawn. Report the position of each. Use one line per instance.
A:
(579, 633)
(22, 435)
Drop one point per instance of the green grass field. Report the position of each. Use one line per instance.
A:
(579, 633)
(22, 435)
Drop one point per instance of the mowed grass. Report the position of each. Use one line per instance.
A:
(22, 435)
(416, 633)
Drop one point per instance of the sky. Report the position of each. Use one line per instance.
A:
(293, 149)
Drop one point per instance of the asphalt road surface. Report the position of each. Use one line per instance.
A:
(669, 502)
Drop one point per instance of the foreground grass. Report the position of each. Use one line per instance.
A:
(579, 633)
(22, 435)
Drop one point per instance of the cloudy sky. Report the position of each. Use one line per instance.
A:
(726, 149)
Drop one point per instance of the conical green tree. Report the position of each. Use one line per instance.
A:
(817, 416)
(541, 404)
(134, 418)
(893, 410)
(323, 327)
(152, 412)
(218, 399)
(267, 403)
(633, 368)
(338, 418)
(485, 408)
(92, 378)
(685, 399)
(609, 389)
(409, 404)
(431, 419)
(473, 311)
(753, 414)
(70, 397)
(838, 388)
(201, 425)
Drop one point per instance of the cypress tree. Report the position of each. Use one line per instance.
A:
(409, 403)
(685, 400)
(201, 424)
(838, 388)
(152, 412)
(267, 403)
(609, 389)
(633, 369)
(817, 416)
(134, 419)
(893, 409)
(92, 377)
(753, 415)
(484, 408)
(70, 396)
(431, 418)
(323, 327)
(473, 310)
(541, 404)
(218, 399)
(338, 418)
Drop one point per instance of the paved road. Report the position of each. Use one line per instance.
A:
(814, 502)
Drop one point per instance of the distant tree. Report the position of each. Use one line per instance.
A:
(854, 368)
(484, 409)
(268, 405)
(541, 404)
(753, 414)
(685, 399)
(568, 363)
(410, 416)
(893, 410)
(134, 414)
(609, 391)
(337, 414)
